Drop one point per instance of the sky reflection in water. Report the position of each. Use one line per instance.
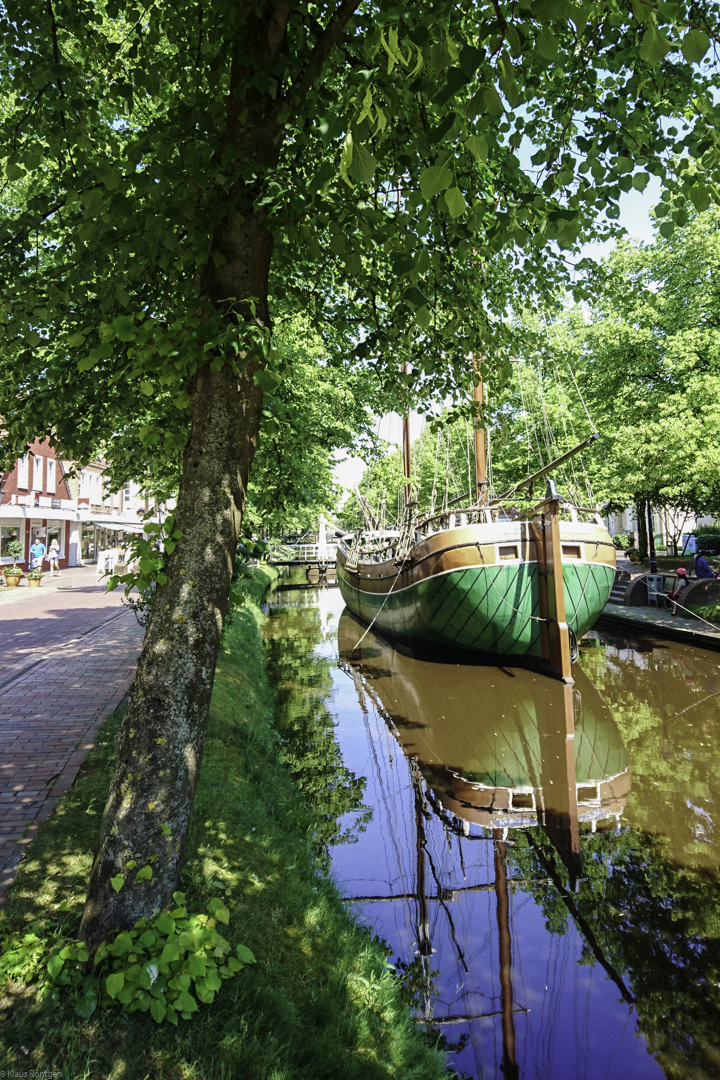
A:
(541, 861)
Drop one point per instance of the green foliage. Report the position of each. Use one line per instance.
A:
(140, 604)
(708, 537)
(711, 612)
(35, 573)
(709, 544)
(624, 542)
(302, 684)
(145, 551)
(154, 967)
(316, 410)
(158, 964)
(249, 584)
(648, 362)
(14, 550)
(395, 166)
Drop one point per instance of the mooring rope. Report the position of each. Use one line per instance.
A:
(516, 610)
(357, 643)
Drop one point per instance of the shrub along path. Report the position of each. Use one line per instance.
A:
(50, 710)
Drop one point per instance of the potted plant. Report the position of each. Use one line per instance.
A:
(633, 554)
(13, 573)
(34, 577)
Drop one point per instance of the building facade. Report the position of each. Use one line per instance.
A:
(44, 496)
(671, 528)
(35, 501)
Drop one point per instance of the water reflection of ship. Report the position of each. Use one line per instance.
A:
(501, 748)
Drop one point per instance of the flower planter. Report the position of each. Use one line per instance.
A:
(34, 582)
(13, 580)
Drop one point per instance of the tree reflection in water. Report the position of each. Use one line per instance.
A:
(302, 684)
(630, 872)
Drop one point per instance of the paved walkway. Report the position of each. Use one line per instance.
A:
(679, 627)
(72, 666)
(34, 622)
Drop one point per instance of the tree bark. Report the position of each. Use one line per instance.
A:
(160, 745)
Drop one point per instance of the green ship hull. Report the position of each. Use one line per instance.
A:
(483, 607)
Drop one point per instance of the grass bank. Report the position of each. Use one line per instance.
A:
(320, 1001)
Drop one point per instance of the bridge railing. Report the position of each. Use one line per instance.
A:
(300, 553)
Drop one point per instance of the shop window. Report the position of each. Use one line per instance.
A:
(88, 545)
(37, 532)
(23, 469)
(11, 530)
(56, 531)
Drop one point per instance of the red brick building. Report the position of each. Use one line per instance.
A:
(35, 501)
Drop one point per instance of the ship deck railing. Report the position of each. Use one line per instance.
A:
(378, 551)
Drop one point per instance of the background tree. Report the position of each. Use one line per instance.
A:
(317, 409)
(173, 168)
(652, 369)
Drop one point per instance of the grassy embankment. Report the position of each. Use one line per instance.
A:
(320, 1001)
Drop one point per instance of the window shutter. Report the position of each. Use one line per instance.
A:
(51, 477)
(23, 467)
(37, 473)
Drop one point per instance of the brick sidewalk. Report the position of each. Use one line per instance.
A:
(48, 719)
(70, 578)
(34, 622)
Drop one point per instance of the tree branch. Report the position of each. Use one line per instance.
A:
(277, 28)
(56, 57)
(342, 15)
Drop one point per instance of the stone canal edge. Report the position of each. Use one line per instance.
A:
(50, 713)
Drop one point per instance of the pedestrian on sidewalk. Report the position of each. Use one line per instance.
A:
(681, 583)
(53, 557)
(37, 553)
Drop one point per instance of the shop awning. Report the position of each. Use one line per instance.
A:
(115, 525)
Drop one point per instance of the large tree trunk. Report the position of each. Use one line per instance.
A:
(160, 745)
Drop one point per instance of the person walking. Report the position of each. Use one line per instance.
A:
(37, 553)
(53, 557)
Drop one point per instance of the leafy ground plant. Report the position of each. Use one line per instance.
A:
(163, 966)
(711, 612)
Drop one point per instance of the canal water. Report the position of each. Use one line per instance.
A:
(541, 862)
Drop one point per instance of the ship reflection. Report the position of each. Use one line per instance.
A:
(501, 748)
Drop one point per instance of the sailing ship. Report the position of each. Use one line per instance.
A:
(481, 577)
